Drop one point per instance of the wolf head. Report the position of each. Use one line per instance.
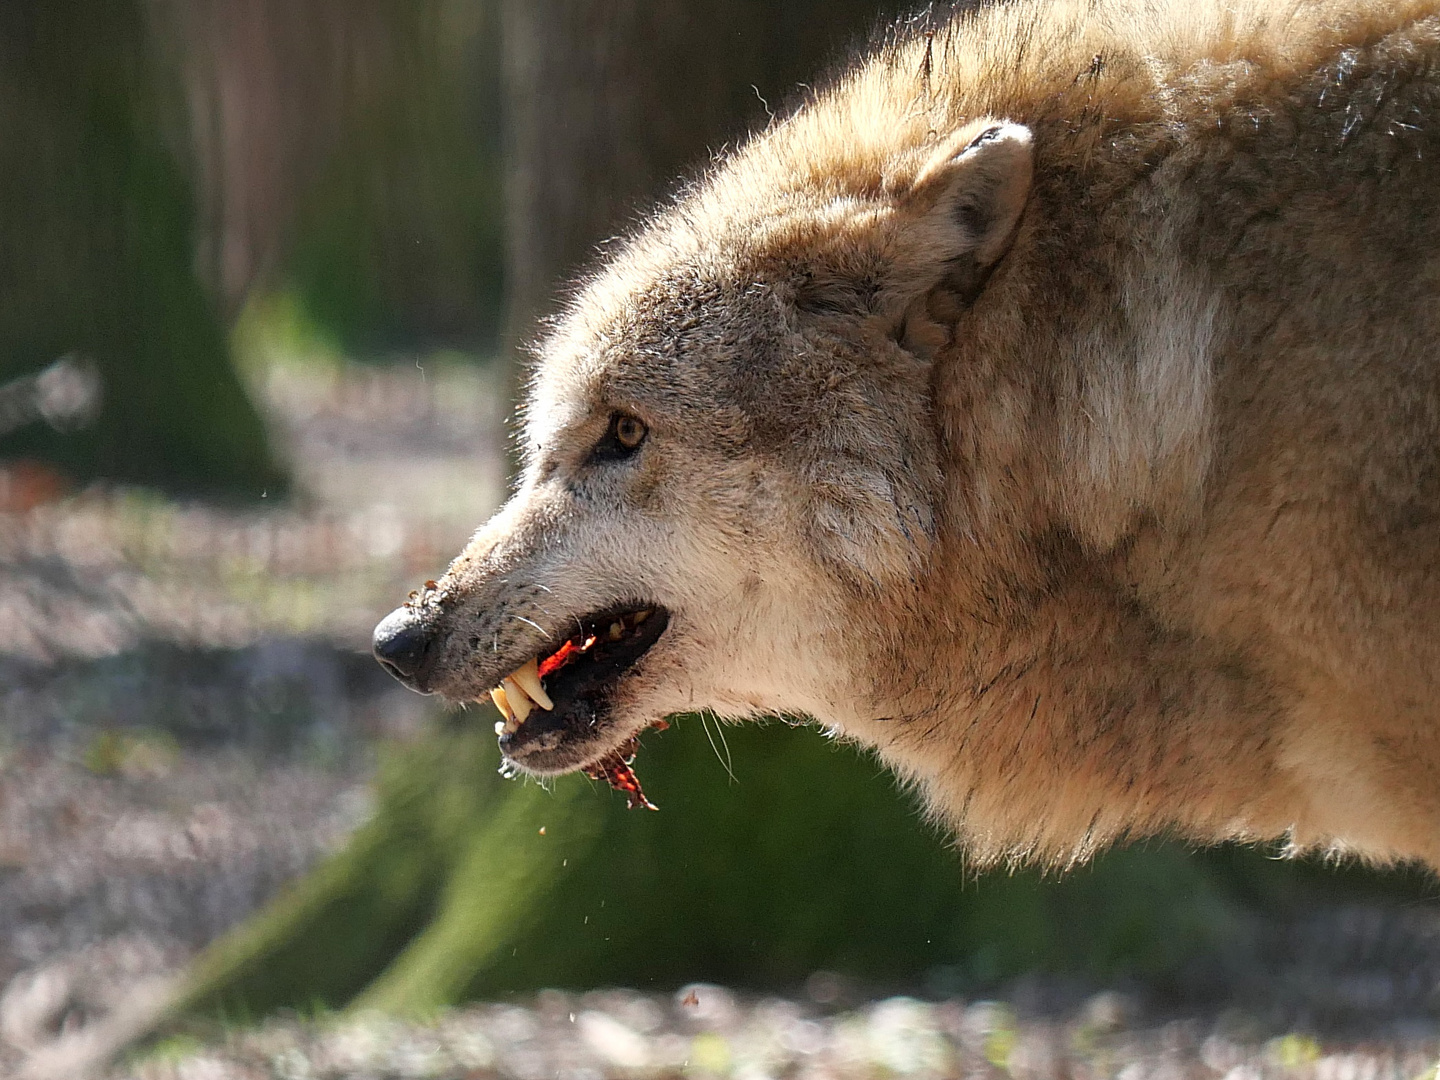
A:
(733, 474)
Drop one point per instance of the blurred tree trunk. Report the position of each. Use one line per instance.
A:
(610, 100)
(347, 151)
(97, 259)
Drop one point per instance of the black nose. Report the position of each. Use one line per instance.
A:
(400, 643)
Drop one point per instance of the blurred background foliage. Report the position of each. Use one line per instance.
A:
(399, 176)
(171, 161)
(398, 241)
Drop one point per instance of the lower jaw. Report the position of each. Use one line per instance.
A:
(579, 753)
(546, 763)
(611, 764)
(564, 757)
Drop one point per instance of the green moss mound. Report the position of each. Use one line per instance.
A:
(465, 886)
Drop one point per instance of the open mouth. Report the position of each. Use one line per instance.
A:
(556, 706)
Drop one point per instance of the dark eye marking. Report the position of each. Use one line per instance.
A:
(625, 435)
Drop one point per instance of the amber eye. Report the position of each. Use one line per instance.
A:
(622, 438)
(629, 432)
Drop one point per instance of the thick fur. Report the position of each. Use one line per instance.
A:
(1052, 405)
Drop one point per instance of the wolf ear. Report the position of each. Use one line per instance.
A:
(959, 218)
(940, 238)
(971, 191)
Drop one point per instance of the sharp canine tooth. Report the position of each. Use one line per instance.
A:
(519, 700)
(502, 702)
(497, 695)
(640, 616)
(528, 679)
(515, 692)
(617, 630)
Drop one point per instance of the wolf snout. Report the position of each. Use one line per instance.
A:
(401, 643)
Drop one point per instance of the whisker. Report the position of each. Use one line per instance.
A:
(729, 761)
(532, 622)
(725, 760)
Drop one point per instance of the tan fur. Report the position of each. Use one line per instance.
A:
(1089, 471)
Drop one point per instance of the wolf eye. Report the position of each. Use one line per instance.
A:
(629, 432)
(621, 439)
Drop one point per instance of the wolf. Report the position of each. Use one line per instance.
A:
(1052, 404)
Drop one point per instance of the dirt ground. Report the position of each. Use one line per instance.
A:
(707, 1031)
(187, 702)
(188, 713)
